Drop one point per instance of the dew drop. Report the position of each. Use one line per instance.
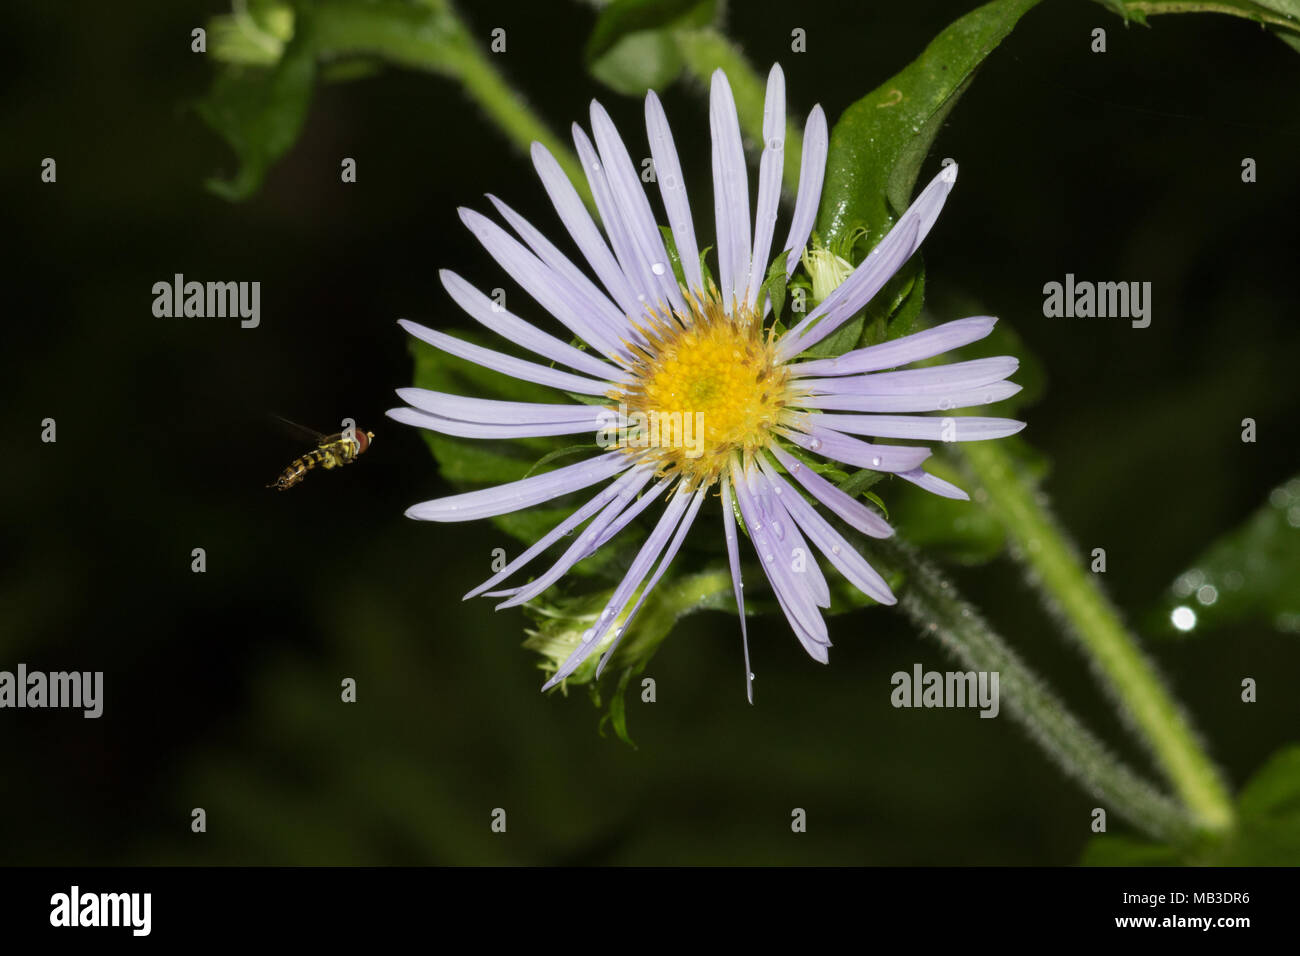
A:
(658, 268)
(815, 444)
(875, 462)
(670, 182)
(776, 142)
(835, 549)
(1183, 618)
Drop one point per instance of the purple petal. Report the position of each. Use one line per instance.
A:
(464, 429)
(852, 511)
(507, 364)
(920, 427)
(607, 494)
(730, 192)
(549, 288)
(638, 218)
(512, 328)
(630, 261)
(587, 543)
(584, 231)
(923, 479)
(794, 598)
(830, 542)
(596, 300)
(904, 402)
(877, 269)
(737, 581)
(669, 553)
(770, 168)
(851, 451)
(524, 493)
(650, 551)
(812, 168)
(668, 171)
(902, 351)
(490, 411)
(932, 380)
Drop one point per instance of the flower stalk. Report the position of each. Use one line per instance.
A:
(1069, 590)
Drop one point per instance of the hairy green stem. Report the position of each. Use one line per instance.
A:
(1256, 13)
(1071, 590)
(934, 604)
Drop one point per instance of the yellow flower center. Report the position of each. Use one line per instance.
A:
(705, 387)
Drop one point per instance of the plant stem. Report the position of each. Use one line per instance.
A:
(934, 604)
(1073, 592)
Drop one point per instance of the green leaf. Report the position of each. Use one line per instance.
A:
(878, 145)
(1249, 575)
(1267, 831)
(1283, 15)
(632, 47)
(638, 62)
(775, 283)
(259, 111)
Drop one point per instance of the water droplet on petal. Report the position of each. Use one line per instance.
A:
(815, 444)
(658, 268)
(875, 462)
(776, 142)
(835, 549)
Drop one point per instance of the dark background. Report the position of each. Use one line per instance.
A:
(222, 689)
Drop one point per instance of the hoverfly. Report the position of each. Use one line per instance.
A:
(331, 451)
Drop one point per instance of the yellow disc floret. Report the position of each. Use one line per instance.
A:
(706, 386)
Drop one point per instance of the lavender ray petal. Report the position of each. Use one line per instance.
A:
(852, 511)
(464, 429)
(583, 545)
(672, 187)
(638, 217)
(730, 192)
(933, 484)
(630, 261)
(795, 601)
(931, 380)
(669, 553)
(514, 329)
(853, 451)
(877, 269)
(812, 169)
(597, 301)
(583, 230)
(770, 168)
(831, 543)
(737, 579)
(549, 288)
(628, 516)
(507, 364)
(636, 573)
(905, 402)
(599, 501)
(902, 351)
(920, 427)
(524, 493)
(490, 411)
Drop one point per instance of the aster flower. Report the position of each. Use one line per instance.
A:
(703, 351)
